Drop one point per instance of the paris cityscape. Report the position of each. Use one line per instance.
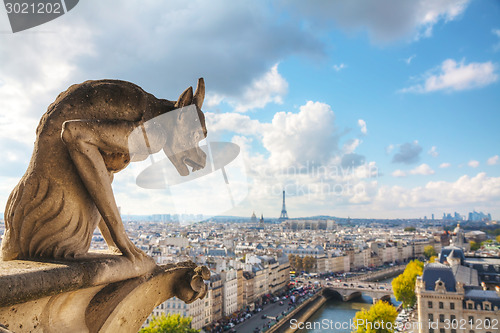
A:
(256, 280)
(223, 166)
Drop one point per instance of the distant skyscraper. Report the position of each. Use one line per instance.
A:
(284, 214)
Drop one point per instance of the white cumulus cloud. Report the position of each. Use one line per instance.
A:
(433, 151)
(422, 169)
(445, 165)
(398, 173)
(362, 126)
(465, 192)
(339, 67)
(493, 160)
(269, 88)
(473, 163)
(293, 138)
(453, 76)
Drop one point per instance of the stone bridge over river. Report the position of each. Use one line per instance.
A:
(350, 290)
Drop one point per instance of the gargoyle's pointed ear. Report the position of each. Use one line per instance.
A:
(199, 95)
(185, 99)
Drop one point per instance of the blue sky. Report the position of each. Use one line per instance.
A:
(386, 109)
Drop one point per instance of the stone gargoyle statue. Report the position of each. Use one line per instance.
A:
(81, 141)
(91, 131)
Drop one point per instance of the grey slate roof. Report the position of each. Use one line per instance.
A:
(457, 253)
(436, 271)
(479, 296)
(468, 276)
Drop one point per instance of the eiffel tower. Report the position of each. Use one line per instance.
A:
(284, 214)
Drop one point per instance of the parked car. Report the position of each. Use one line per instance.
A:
(264, 316)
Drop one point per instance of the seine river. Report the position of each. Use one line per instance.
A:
(339, 312)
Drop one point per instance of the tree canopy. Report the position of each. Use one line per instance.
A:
(429, 252)
(302, 264)
(474, 246)
(376, 319)
(404, 284)
(172, 323)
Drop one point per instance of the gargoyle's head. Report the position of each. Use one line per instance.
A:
(182, 145)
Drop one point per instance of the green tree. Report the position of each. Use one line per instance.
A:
(429, 251)
(410, 229)
(403, 285)
(172, 323)
(433, 259)
(474, 246)
(498, 238)
(378, 319)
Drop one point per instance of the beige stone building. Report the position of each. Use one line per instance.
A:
(216, 302)
(230, 290)
(450, 301)
(208, 307)
(261, 286)
(248, 287)
(239, 277)
(283, 274)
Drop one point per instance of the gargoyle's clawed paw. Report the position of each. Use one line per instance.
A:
(202, 271)
(193, 286)
(197, 281)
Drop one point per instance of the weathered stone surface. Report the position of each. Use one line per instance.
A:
(23, 280)
(105, 294)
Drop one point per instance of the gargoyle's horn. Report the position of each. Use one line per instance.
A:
(199, 95)
(185, 99)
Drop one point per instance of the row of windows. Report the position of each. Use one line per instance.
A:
(440, 305)
(486, 306)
